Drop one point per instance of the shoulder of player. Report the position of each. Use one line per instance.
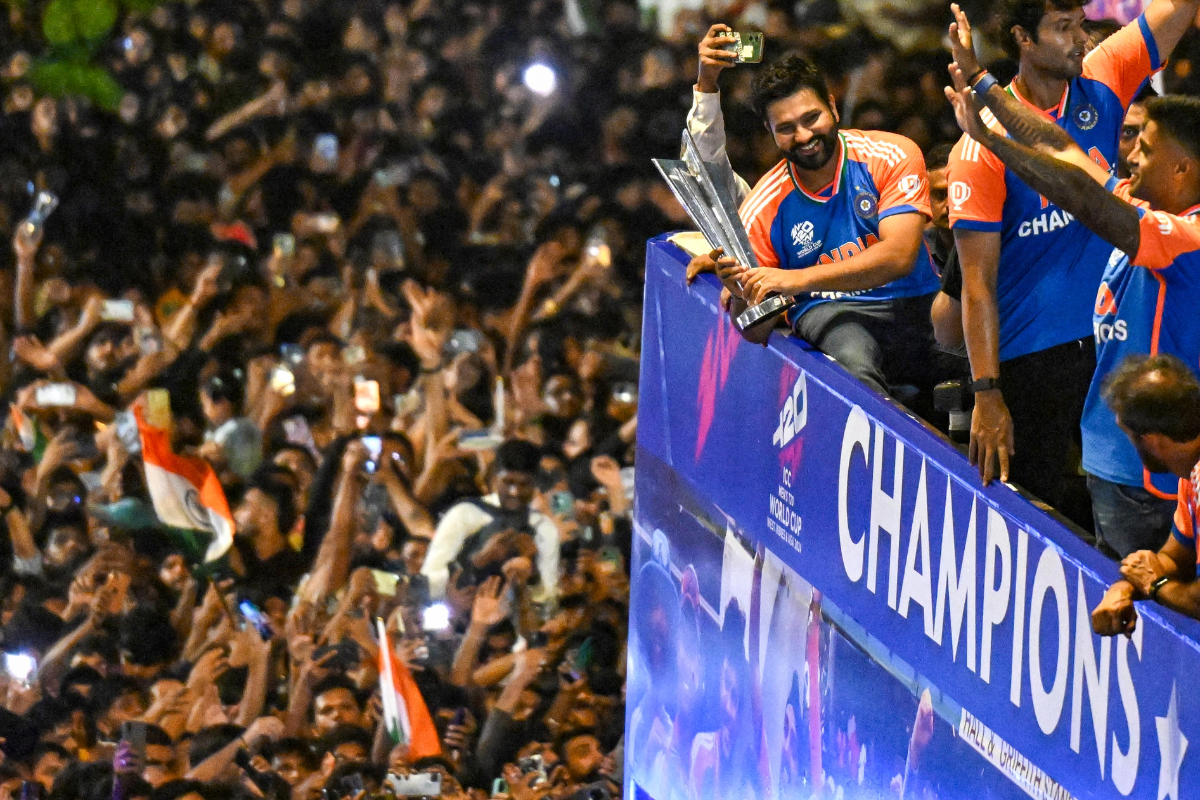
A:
(968, 154)
(769, 192)
(879, 146)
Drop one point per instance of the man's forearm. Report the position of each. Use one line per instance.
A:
(981, 331)
(1025, 126)
(1182, 596)
(1073, 190)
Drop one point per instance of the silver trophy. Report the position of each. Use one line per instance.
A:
(694, 183)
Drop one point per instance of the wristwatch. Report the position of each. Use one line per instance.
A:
(985, 385)
(1158, 584)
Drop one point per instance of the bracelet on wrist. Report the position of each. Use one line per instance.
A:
(985, 83)
(976, 75)
(1156, 586)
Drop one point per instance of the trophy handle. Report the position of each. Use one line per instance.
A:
(764, 312)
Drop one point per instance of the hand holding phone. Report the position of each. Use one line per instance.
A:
(56, 395)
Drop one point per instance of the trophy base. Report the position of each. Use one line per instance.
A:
(764, 312)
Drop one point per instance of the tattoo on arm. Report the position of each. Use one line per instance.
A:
(1073, 190)
(1025, 126)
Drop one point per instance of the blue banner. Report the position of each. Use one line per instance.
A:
(826, 601)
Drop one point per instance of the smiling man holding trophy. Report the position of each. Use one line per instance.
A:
(834, 229)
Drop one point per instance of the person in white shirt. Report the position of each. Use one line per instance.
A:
(498, 534)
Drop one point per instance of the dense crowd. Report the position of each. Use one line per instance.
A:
(375, 269)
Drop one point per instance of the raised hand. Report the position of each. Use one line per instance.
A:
(961, 47)
(712, 58)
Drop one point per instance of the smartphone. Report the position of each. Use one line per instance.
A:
(366, 396)
(117, 311)
(21, 667)
(354, 354)
(43, 207)
(479, 440)
(325, 145)
(325, 223)
(499, 787)
(158, 408)
(134, 732)
(258, 619)
(284, 244)
(56, 394)
(747, 47)
(562, 503)
(391, 246)
(625, 392)
(464, 340)
(283, 381)
(407, 403)
(435, 617)
(385, 582)
(416, 784)
(534, 764)
(31, 790)
(293, 354)
(374, 445)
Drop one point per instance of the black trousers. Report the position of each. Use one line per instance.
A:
(885, 344)
(1044, 392)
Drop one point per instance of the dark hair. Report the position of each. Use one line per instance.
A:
(148, 637)
(344, 734)
(1103, 27)
(1027, 14)
(109, 691)
(337, 682)
(1178, 116)
(938, 156)
(280, 494)
(518, 455)
(1155, 394)
(294, 745)
(400, 355)
(784, 79)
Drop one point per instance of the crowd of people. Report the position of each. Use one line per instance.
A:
(372, 272)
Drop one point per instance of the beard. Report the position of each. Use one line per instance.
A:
(1149, 460)
(814, 161)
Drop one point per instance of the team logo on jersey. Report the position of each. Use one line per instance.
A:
(1105, 302)
(1086, 116)
(959, 194)
(909, 185)
(802, 237)
(1165, 225)
(865, 204)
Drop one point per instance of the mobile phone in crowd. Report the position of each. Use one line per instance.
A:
(366, 396)
(746, 47)
(21, 667)
(374, 445)
(117, 311)
(31, 790)
(416, 784)
(43, 207)
(56, 394)
(562, 503)
(257, 618)
(283, 380)
(134, 732)
(325, 146)
(284, 244)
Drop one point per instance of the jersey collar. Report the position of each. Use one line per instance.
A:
(832, 187)
(1054, 114)
(1191, 212)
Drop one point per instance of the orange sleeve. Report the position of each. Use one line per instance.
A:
(1164, 238)
(903, 185)
(975, 187)
(758, 213)
(1124, 61)
(1184, 528)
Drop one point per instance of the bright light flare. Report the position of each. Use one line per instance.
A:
(540, 79)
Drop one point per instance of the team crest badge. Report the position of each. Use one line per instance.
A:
(1086, 116)
(865, 204)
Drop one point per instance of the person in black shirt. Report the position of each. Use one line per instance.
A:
(947, 306)
(262, 554)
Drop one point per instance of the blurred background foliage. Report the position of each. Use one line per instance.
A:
(76, 32)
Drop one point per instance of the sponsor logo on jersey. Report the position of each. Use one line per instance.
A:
(1045, 223)
(959, 194)
(909, 185)
(1105, 302)
(802, 237)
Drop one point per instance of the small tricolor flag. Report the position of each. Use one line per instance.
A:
(33, 441)
(185, 491)
(405, 714)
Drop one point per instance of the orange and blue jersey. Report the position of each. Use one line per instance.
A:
(1145, 305)
(879, 174)
(1050, 264)
(1184, 529)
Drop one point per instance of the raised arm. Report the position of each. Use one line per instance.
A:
(1064, 184)
(1168, 21)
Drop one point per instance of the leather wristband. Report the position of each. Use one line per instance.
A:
(985, 83)
(1158, 584)
(984, 385)
(975, 76)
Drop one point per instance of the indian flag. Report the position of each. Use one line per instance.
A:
(185, 491)
(33, 441)
(405, 714)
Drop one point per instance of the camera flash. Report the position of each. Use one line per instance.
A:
(436, 617)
